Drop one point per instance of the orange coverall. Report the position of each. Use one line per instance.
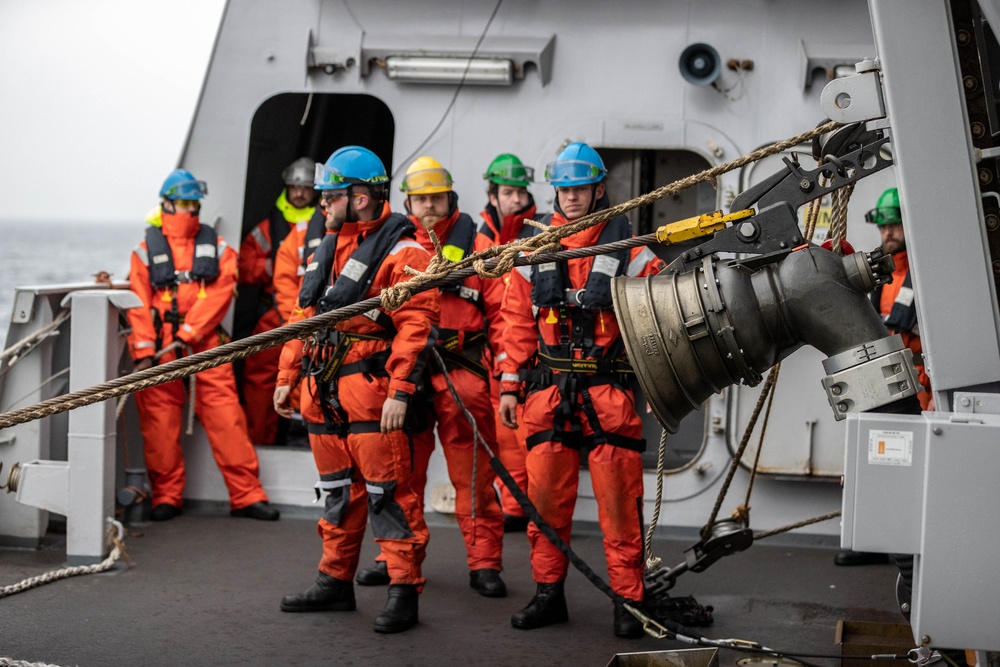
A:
(554, 468)
(383, 462)
(510, 442)
(257, 268)
(468, 462)
(161, 408)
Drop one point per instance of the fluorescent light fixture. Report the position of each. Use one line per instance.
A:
(441, 69)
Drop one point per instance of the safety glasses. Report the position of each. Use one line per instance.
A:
(328, 177)
(884, 215)
(571, 171)
(513, 172)
(426, 178)
(187, 190)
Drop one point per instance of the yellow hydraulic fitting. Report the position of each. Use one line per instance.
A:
(698, 226)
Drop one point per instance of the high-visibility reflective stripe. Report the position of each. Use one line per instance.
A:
(144, 344)
(501, 356)
(510, 377)
(333, 484)
(636, 266)
(400, 245)
(262, 240)
(371, 488)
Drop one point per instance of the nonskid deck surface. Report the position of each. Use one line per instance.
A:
(204, 590)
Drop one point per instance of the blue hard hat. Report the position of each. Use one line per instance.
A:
(577, 164)
(350, 165)
(181, 184)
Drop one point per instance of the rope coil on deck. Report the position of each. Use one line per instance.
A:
(116, 534)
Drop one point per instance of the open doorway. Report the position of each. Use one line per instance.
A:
(284, 128)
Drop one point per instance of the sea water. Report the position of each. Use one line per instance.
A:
(51, 252)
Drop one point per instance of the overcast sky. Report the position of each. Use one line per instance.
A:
(96, 100)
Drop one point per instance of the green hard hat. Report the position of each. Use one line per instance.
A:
(507, 169)
(886, 211)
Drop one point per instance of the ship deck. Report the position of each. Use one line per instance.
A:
(204, 590)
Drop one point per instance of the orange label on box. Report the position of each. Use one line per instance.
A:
(894, 448)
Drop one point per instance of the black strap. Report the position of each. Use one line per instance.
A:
(453, 360)
(532, 512)
(572, 385)
(373, 365)
(593, 367)
(364, 427)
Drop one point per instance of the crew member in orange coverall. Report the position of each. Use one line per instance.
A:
(509, 205)
(578, 396)
(365, 374)
(468, 318)
(185, 274)
(257, 264)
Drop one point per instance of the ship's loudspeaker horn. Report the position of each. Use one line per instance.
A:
(692, 334)
(700, 64)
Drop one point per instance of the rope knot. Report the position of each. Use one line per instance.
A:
(742, 514)
(395, 296)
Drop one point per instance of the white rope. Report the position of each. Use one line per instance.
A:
(118, 551)
(11, 662)
(654, 563)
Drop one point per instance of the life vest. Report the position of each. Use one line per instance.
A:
(315, 231)
(903, 315)
(460, 244)
(495, 224)
(550, 281)
(355, 278)
(204, 266)
(350, 286)
(557, 365)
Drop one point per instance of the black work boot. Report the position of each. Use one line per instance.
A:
(627, 625)
(547, 607)
(327, 594)
(400, 611)
(376, 575)
(488, 582)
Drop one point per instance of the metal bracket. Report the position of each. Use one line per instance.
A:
(871, 384)
(854, 98)
(977, 403)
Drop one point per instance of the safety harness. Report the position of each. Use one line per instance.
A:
(164, 275)
(903, 315)
(324, 360)
(575, 311)
(462, 349)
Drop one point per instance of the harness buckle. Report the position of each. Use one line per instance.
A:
(574, 296)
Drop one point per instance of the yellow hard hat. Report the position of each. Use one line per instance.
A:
(426, 176)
